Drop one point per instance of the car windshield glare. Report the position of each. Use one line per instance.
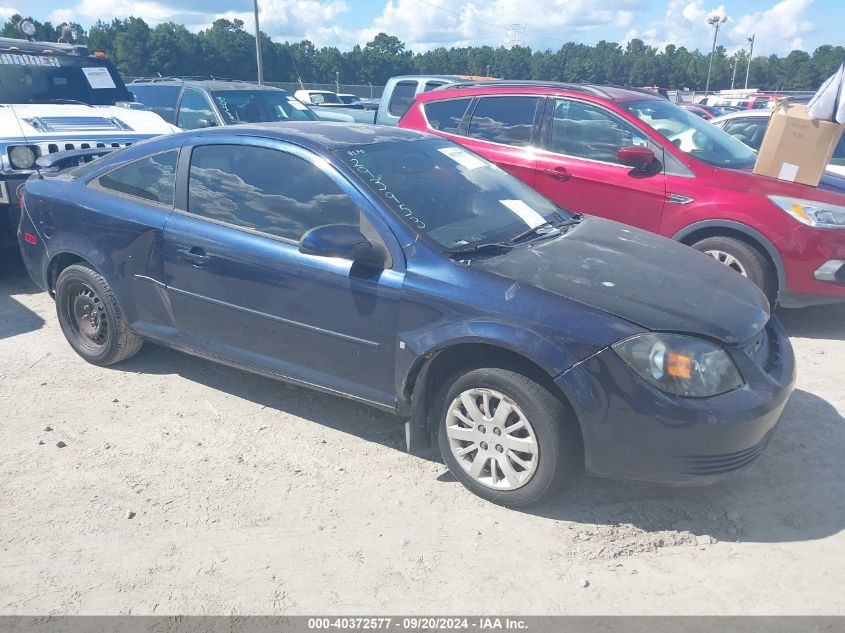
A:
(448, 194)
(260, 106)
(28, 78)
(692, 134)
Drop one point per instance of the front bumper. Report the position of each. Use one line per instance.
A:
(812, 277)
(633, 431)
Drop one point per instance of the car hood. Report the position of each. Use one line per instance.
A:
(649, 280)
(49, 120)
(831, 187)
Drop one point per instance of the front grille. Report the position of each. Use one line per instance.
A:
(719, 464)
(63, 146)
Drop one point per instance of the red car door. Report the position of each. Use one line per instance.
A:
(578, 168)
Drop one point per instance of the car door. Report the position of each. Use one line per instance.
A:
(241, 290)
(504, 129)
(196, 111)
(578, 169)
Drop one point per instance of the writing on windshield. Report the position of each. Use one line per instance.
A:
(446, 193)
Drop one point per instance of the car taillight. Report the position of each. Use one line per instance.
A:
(29, 238)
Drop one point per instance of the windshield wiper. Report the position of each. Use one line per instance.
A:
(544, 229)
(476, 248)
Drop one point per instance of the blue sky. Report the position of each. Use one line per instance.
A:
(779, 25)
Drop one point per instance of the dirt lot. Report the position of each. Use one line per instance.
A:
(186, 487)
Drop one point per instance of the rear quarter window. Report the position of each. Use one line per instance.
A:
(152, 179)
(446, 116)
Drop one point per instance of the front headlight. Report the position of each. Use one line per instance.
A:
(23, 156)
(681, 365)
(811, 213)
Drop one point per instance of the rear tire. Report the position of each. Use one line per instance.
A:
(91, 319)
(743, 258)
(506, 437)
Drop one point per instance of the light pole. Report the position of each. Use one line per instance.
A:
(258, 45)
(733, 76)
(715, 21)
(750, 53)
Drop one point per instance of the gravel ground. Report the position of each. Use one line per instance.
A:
(172, 485)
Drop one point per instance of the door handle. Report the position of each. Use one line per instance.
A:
(193, 255)
(558, 173)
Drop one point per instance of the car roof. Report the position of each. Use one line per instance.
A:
(210, 84)
(320, 135)
(610, 92)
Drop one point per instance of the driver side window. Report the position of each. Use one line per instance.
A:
(195, 111)
(582, 130)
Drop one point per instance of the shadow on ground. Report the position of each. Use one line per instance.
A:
(792, 493)
(819, 322)
(15, 318)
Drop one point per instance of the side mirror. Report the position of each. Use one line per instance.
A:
(203, 123)
(636, 156)
(340, 240)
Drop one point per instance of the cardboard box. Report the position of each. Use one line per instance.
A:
(796, 147)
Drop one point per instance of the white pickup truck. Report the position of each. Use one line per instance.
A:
(56, 97)
(398, 95)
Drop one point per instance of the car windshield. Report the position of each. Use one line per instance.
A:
(260, 106)
(692, 134)
(349, 98)
(29, 78)
(324, 97)
(450, 195)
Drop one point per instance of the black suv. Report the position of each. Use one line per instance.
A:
(192, 103)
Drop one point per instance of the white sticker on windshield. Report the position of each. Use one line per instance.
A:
(528, 215)
(297, 104)
(464, 159)
(99, 77)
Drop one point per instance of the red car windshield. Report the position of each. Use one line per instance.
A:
(692, 134)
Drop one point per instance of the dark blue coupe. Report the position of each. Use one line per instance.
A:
(400, 270)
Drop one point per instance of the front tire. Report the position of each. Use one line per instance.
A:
(506, 437)
(91, 319)
(743, 258)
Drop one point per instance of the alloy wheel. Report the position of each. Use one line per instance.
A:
(728, 260)
(492, 439)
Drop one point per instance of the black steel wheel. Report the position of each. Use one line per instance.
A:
(91, 319)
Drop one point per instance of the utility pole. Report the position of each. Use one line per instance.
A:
(488, 70)
(715, 21)
(733, 76)
(750, 54)
(337, 80)
(258, 45)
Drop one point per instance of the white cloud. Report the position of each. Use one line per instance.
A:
(778, 29)
(281, 19)
(7, 12)
(424, 25)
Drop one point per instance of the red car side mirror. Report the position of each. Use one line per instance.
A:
(636, 156)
